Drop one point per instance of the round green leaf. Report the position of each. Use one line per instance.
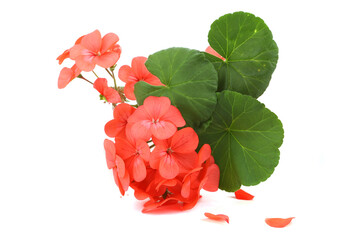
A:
(190, 82)
(249, 50)
(245, 138)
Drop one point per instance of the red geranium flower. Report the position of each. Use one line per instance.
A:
(176, 154)
(111, 95)
(156, 117)
(115, 127)
(137, 72)
(136, 154)
(94, 50)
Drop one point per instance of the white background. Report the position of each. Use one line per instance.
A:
(54, 183)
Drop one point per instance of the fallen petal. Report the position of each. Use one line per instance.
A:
(242, 195)
(278, 222)
(217, 217)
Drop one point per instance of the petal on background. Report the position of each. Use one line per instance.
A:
(63, 56)
(213, 177)
(217, 217)
(138, 67)
(65, 76)
(114, 127)
(242, 195)
(100, 85)
(278, 222)
(92, 41)
(108, 41)
(124, 73)
(110, 153)
(211, 51)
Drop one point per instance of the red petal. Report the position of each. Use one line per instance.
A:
(123, 111)
(157, 106)
(241, 194)
(66, 75)
(85, 62)
(110, 153)
(185, 140)
(100, 85)
(168, 168)
(138, 169)
(211, 51)
(217, 217)
(92, 41)
(120, 165)
(143, 149)
(204, 153)
(129, 90)
(163, 129)
(278, 222)
(124, 73)
(108, 41)
(63, 56)
(141, 130)
(111, 95)
(173, 115)
(107, 59)
(114, 127)
(213, 177)
(138, 67)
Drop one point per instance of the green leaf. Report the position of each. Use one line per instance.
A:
(249, 50)
(190, 82)
(245, 138)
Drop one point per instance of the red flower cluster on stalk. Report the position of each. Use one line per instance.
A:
(152, 152)
(167, 171)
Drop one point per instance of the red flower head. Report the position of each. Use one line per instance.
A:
(114, 162)
(94, 50)
(136, 154)
(156, 117)
(67, 75)
(211, 51)
(111, 95)
(176, 154)
(137, 72)
(116, 127)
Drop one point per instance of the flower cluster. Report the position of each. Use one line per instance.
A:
(156, 159)
(152, 152)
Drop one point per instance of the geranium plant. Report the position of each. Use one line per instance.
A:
(184, 119)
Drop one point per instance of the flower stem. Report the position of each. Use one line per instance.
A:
(95, 74)
(80, 76)
(113, 77)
